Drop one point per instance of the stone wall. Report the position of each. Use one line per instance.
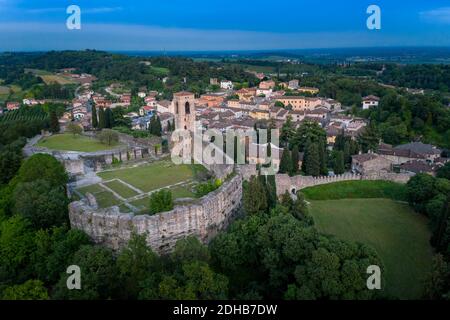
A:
(293, 184)
(204, 220)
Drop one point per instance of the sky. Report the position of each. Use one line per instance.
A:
(201, 25)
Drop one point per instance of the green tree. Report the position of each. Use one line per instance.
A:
(74, 129)
(134, 263)
(54, 122)
(254, 197)
(161, 201)
(99, 276)
(109, 118)
(338, 163)
(295, 160)
(44, 205)
(420, 189)
(286, 162)
(94, 117)
(444, 172)
(43, 167)
(101, 118)
(369, 138)
(311, 160)
(30, 290)
(108, 137)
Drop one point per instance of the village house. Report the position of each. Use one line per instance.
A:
(212, 99)
(416, 167)
(260, 114)
(369, 163)
(299, 103)
(163, 106)
(293, 84)
(226, 85)
(146, 111)
(410, 151)
(309, 90)
(370, 102)
(246, 94)
(213, 81)
(264, 92)
(11, 106)
(125, 99)
(266, 85)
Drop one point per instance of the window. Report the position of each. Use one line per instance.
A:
(187, 108)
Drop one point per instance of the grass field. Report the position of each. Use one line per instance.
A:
(123, 190)
(69, 142)
(105, 199)
(400, 236)
(151, 177)
(357, 189)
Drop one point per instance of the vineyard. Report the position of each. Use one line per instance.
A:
(24, 114)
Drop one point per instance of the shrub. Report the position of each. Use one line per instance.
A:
(161, 201)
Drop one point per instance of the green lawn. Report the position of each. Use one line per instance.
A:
(399, 235)
(69, 142)
(105, 199)
(121, 189)
(153, 176)
(357, 189)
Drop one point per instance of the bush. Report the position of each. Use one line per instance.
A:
(204, 188)
(108, 137)
(161, 201)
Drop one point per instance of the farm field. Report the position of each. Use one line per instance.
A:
(49, 77)
(399, 235)
(69, 142)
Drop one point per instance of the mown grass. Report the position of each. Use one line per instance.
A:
(70, 142)
(121, 189)
(151, 177)
(357, 190)
(398, 234)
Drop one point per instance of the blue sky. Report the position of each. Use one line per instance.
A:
(221, 25)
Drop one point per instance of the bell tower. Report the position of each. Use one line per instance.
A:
(183, 108)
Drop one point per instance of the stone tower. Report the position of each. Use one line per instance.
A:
(183, 108)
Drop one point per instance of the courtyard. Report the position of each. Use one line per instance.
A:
(130, 188)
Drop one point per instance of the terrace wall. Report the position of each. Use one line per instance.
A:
(203, 220)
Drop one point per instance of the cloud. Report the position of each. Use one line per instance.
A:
(47, 36)
(440, 15)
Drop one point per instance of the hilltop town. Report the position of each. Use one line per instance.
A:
(86, 145)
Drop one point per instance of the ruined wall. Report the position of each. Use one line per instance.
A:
(203, 220)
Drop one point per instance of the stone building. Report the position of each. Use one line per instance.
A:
(183, 109)
(369, 163)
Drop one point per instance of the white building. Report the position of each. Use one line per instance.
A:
(227, 85)
(370, 102)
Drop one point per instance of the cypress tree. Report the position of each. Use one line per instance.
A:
(54, 123)
(109, 118)
(254, 197)
(101, 119)
(286, 162)
(94, 117)
(339, 165)
(312, 160)
(323, 157)
(295, 160)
